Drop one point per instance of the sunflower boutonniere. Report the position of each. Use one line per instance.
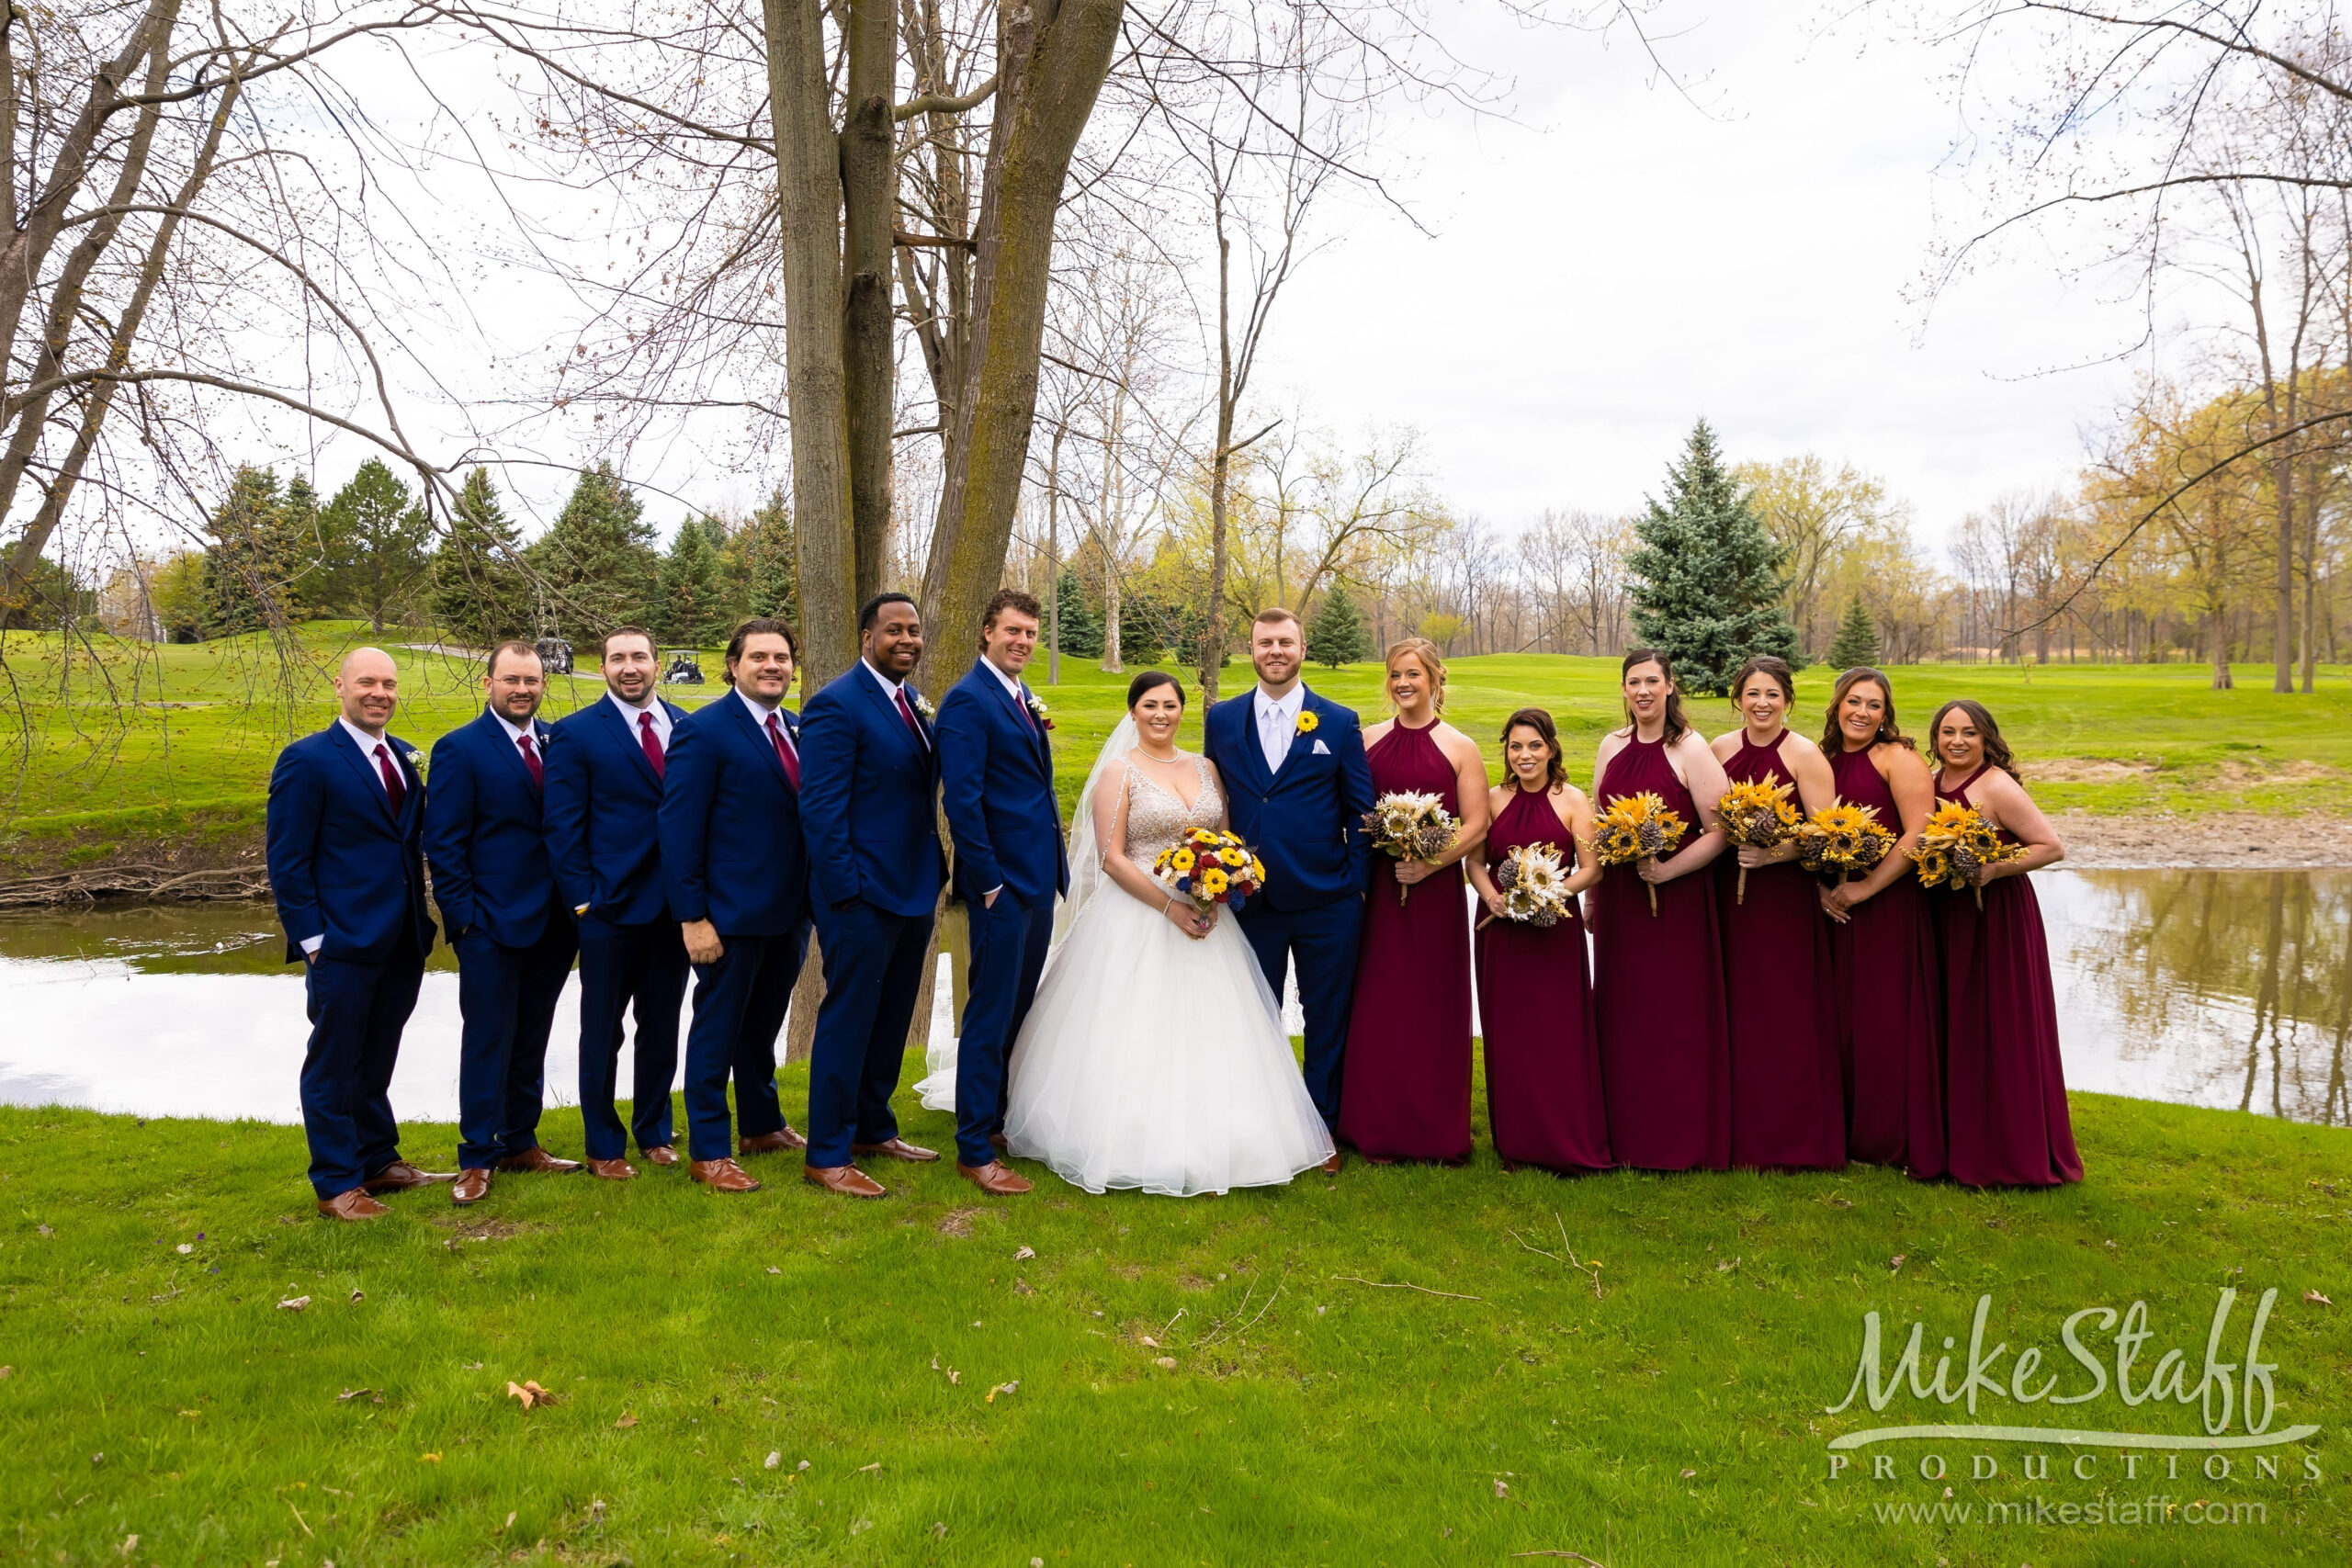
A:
(1038, 710)
(416, 762)
(1307, 722)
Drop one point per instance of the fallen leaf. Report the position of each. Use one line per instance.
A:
(1502, 1489)
(130, 1544)
(473, 1366)
(359, 1295)
(774, 1460)
(530, 1394)
(801, 1466)
(864, 1467)
(1024, 1255)
(1897, 1262)
(2313, 1297)
(1725, 1266)
(1149, 1343)
(1013, 1387)
(939, 1529)
(294, 1304)
(627, 1420)
(1688, 1473)
(183, 1249)
(192, 1414)
(508, 1525)
(431, 1459)
(774, 1270)
(44, 1230)
(953, 1376)
(1166, 1362)
(7, 1372)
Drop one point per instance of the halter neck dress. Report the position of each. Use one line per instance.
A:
(2005, 1090)
(1543, 1099)
(1787, 1098)
(1658, 994)
(1404, 1092)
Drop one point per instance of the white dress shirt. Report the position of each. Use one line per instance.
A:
(514, 733)
(367, 744)
(653, 706)
(1010, 683)
(1277, 722)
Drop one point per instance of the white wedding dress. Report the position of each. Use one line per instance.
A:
(1150, 1059)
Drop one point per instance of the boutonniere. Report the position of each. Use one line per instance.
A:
(1038, 710)
(1307, 722)
(416, 764)
(924, 710)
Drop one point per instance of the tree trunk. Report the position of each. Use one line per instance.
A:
(869, 184)
(1113, 661)
(1220, 467)
(1054, 561)
(2219, 635)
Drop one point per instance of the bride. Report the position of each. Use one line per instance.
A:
(1154, 1056)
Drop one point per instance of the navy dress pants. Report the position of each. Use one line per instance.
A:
(1323, 943)
(873, 969)
(740, 1003)
(357, 1011)
(623, 967)
(507, 997)
(1009, 943)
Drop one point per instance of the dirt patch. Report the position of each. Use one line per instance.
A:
(2225, 840)
(2239, 776)
(481, 1230)
(955, 1222)
(2085, 770)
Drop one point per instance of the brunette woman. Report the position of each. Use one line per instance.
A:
(1882, 941)
(1788, 1100)
(1543, 1099)
(1657, 978)
(2005, 1091)
(1405, 1092)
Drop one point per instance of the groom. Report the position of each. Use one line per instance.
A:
(1298, 787)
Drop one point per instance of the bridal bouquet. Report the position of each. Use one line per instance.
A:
(1757, 814)
(1843, 840)
(1639, 827)
(1210, 868)
(1534, 885)
(1410, 826)
(1955, 843)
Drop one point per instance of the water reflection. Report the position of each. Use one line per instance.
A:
(2221, 989)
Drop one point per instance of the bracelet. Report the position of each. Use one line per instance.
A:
(1169, 905)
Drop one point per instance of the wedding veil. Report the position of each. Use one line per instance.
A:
(1085, 855)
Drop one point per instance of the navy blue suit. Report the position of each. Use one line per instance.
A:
(346, 867)
(868, 807)
(486, 840)
(731, 854)
(603, 805)
(1305, 822)
(996, 766)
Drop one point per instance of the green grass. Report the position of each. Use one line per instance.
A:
(1674, 1417)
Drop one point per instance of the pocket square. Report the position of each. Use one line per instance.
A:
(1321, 750)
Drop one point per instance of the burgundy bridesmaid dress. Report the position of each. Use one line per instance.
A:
(1404, 1093)
(2004, 1092)
(1543, 1099)
(1889, 1030)
(1659, 995)
(1788, 1098)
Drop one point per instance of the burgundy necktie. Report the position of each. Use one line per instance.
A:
(652, 742)
(1021, 701)
(395, 790)
(783, 753)
(907, 713)
(531, 761)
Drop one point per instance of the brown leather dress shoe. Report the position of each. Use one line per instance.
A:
(845, 1180)
(771, 1143)
(352, 1205)
(474, 1184)
(994, 1178)
(612, 1169)
(400, 1176)
(539, 1159)
(1001, 1141)
(1332, 1166)
(722, 1176)
(897, 1149)
(662, 1153)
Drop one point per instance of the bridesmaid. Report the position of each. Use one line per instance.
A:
(1787, 1098)
(2005, 1093)
(1406, 1089)
(1882, 941)
(1657, 980)
(1543, 1099)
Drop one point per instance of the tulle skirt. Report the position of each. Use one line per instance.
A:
(1153, 1061)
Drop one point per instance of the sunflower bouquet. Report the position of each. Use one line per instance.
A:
(1639, 827)
(1410, 825)
(1534, 885)
(1757, 814)
(1955, 844)
(1210, 868)
(1842, 842)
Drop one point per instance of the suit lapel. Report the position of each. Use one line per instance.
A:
(1031, 730)
(872, 686)
(611, 717)
(760, 738)
(495, 733)
(1253, 756)
(365, 765)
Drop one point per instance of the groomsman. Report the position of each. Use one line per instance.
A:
(996, 767)
(737, 875)
(870, 813)
(485, 839)
(1296, 788)
(606, 765)
(346, 809)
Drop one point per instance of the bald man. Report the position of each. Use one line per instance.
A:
(346, 815)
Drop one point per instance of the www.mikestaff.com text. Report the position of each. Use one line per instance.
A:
(2103, 1510)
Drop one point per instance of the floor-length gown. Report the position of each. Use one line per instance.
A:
(1659, 995)
(1154, 1060)
(1890, 1028)
(2005, 1090)
(1788, 1098)
(1405, 1092)
(1543, 1099)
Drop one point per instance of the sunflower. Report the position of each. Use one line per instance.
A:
(1182, 860)
(1307, 721)
(1214, 881)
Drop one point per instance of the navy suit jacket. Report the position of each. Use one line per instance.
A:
(870, 793)
(602, 805)
(731, 849)
(996, 771)
(1305, 822)
(485, 838)
(341, 864)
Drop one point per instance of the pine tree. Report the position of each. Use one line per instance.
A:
(480, 596)
(1857, 639)
(264, 542)
(1081, 627)
(762, 563)
(1337, 636)
(375, 538)
(597, 563)
(1706, 583)
(692, 611)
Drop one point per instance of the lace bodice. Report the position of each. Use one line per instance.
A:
(1157, 817)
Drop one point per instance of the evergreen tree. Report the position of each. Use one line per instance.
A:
(1337, 634)
(597, 564)
(762, 563)
(375, 538)
(1857, 638)
(1706, 583)
(1082, 625)
(264, 542)
(692, 611)
(480, 596)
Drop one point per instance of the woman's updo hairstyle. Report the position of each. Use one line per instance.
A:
(1138, 688)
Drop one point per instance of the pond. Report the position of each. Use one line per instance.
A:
(2231, 989)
